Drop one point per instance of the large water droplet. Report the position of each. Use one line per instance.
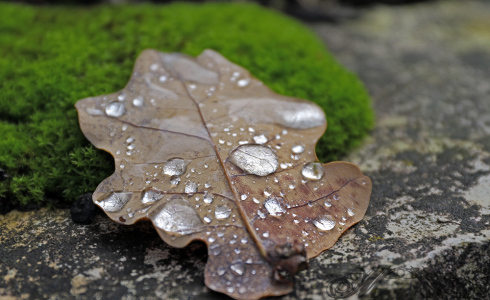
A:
(260, 139)
(298, 148)
(115, 202)
(238, 268)
(275, 206)
(175, 166)
(324, 222)
(138, 101)
(115, 109)
(176, 216)
(190, 187)
(222, 212)
(313, 170)
(151, 195)
(255, 159)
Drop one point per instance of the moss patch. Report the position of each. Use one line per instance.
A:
(50, 57)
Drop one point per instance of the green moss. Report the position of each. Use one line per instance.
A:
(52, 56)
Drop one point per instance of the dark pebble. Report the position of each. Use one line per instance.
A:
(83, 210)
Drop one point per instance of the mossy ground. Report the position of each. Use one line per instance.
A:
(50, 57)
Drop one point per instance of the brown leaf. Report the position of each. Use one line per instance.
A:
(207, 152)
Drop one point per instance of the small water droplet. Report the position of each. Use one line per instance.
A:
(221, 271)
(130, 140)
(350, 212)
(121, 166)
(298, 148)
(207, 219)
(154, 67)
(138, 101)
(260, 139)
(221, 142)
(291, 186)
(115, 109)
(250, 129)
(243, 197)
(275, 206)
(215, 250)
(243, 82)
(175, 166)
(192, 86)
(242, 142)
(255, 159)
(211, 239)
(324, 222)
(364, 182)
(242, 290)
(121, 96)
(190, 187)
(208, 198)
(162, 78)
(115, 202)
(230, 289)
(265, 234)
(175, 180)
(237, 251)
(151, 195)
(94, 112)
(336, 197)
(124, 127)
(261, 214)
(313, 170)
(222, 212)
(268, 191)
(296, 221)
(327, 204)
(284, 166)
(131, 147)
(255, 200)
(238, 268)
(244, 240)
(177, 216)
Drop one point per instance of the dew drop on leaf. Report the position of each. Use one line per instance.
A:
(190, 187)
(176, 216)
(115, 202)
(238, 268)
(313, 170)
(222, 212)
(255, 159)
(275, 206)
(260, 139)
(175, 166)
(151, 195)
(324, 222)
(115, 109)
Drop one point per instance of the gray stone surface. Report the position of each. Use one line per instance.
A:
(426, 233)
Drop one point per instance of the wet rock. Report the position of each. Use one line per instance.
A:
(83, 210)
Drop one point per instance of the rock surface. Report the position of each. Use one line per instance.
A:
(426, 232)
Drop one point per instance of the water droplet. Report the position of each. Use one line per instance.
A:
(243, 82)
(260, 139)
(121, 96)
(238, 268)
(261, 214)
(237, 251)
(190, 187)
(175, 166)
(291, 186)
(131, 147)
(130, 140)
(296, 221)
(151, 195)
(174, 180)
(244, 240)
(124, 127)
(313, 170)
(162, 78)
(154, 67)
(250, 129)
(221, 142)
(222, 212)
(115, 109)
(207, 185)
(298, 148)
(242, 142)
(265, 234)
(138, 101)
(121, 166)
(208, 198)
(243, 197)
(268, 191)
(336, 197)
(207, 219)
(215, 249)
(221, 271)
(242, 290)
(364, 182)
(230, 289)
(177, 216)
(255, 200)
(324, 222)
(275, 206)
(94, 112)
(350, 212)
(115, 202)
(192, 86)
(211, 239)
(327, 204)
(255, 159)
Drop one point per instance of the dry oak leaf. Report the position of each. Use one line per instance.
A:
(207, 152)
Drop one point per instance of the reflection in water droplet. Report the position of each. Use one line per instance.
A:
(238, 268)
(255, 200)
(298, 148)
(327, 204)
(211, 239)
(324, 222)
(207, 185)
(208, 198)
(162, 78)
(115, 109)
(207, 219)
(121, 96)
(151, 195)
(215, 250)
(242, 290)
(176, 216)
(230, 289)
(115, 202)
(255, 159)
(265, 234)
(313, 170)
(243, 197)
(244, 240)
(268, 191)
(275, 206)
(190, 187)
(336, 197)
(175, 166)
(138, 101)
(222, 212)
(350, 212)
(260, 139)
